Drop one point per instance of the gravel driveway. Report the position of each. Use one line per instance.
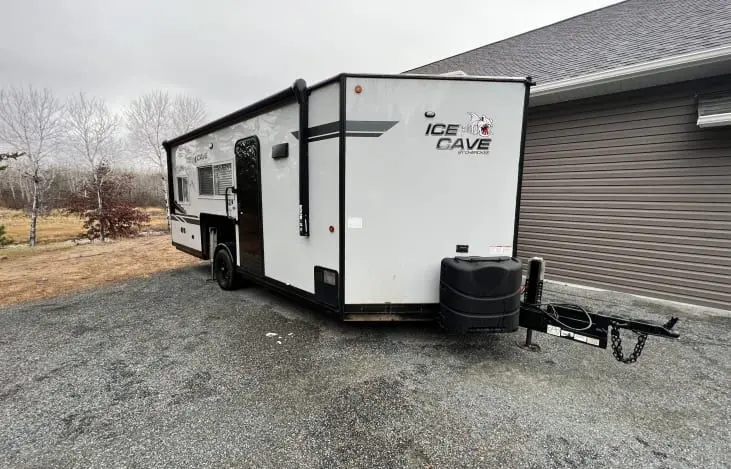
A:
(171, 371)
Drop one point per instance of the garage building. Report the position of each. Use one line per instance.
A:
(627, 176)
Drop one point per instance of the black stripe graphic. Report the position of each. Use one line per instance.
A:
(320, 129)
(369, 126)
(352, 129)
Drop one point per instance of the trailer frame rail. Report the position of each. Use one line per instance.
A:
(573, 322)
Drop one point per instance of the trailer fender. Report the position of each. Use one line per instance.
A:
(229, 246)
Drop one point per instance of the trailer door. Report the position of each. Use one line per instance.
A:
(248, 195)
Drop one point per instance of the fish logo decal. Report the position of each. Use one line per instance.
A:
(479, 124)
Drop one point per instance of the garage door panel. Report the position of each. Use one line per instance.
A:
(649, 261)
(700, 214)
(626, 192)
(707, 256)
(629, 233)
(539, 219)
(678, 180)
(536, 196)
(644, 186)
(718, 251)
(650, 281)
(696, 296)
(621, 228)
(692, 208)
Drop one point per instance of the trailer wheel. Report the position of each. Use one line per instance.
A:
(223, 266)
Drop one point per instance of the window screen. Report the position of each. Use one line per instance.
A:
(182, 189)
(223, 177)
(205, 180)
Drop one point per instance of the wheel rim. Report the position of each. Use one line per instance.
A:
(224, 273)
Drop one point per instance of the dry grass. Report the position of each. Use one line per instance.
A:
(34, 273)
(61, 227)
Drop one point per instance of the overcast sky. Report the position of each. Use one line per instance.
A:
(231, 53)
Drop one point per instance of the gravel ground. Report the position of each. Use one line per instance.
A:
(170, 371)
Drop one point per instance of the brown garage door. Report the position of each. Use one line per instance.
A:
(629, 194)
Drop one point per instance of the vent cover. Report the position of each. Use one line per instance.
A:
(714, 110)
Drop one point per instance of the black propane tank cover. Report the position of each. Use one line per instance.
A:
(480, 293)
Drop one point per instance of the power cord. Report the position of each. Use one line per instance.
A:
(551, 312)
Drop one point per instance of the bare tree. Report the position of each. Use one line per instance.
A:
(188, 113)
(155, 117)
(92, 138)
(31, 122)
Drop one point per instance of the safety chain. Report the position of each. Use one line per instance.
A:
(617, 346)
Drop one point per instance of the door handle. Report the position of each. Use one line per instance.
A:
(225, 196)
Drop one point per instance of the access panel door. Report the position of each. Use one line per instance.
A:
(248, 195)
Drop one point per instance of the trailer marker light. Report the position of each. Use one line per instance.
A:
(358, 89)
(331, 229)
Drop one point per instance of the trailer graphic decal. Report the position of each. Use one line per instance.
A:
(352, 129)
(191, 220)
(478, 125)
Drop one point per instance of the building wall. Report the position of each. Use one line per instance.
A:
(626, 193)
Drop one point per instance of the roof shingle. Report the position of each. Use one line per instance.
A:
(627, 33)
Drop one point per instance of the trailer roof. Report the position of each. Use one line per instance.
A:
(276, 100)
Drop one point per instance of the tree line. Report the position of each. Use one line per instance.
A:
(74, 154)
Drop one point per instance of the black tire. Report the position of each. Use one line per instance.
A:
(224, 270)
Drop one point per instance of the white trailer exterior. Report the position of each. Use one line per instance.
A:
(393, 174)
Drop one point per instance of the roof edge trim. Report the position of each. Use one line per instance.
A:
(655, 72)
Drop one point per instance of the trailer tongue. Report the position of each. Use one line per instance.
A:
(484, 294)
(378, 197)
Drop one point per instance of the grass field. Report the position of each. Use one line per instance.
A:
(53, 269)
(57, 266)
(60, 227)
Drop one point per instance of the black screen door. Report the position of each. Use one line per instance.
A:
(248, 195)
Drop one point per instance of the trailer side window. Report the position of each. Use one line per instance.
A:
(205, 180)
(222, 177)
(182, 189)
(214, 179)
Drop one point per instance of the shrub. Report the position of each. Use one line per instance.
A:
(4, 239)
(120, 221)
(118, 217)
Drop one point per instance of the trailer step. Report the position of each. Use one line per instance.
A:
(388, 317)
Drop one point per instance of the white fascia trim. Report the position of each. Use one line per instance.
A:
(715, 120)
(630, 72)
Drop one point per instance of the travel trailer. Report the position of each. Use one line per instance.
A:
(374, 197)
